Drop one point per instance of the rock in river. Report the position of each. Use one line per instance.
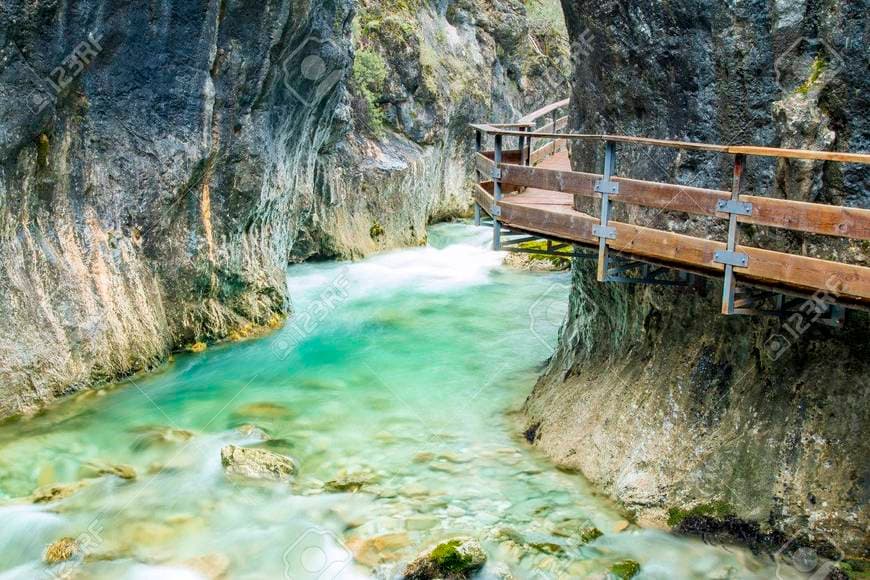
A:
(452, 559)
(257, 463)
(60, 551)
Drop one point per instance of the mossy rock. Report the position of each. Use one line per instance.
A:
(197, 347)
(718, 510)
(625, 569)
(590, 534)
(453, 559)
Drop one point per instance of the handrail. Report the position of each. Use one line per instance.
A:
(535, 115)
(839, 156)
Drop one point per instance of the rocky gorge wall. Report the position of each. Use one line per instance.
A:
(161, 162)
(692, 419)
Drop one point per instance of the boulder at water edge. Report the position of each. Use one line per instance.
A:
(257, 463)
(452, 559)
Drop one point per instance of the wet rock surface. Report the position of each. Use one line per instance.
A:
(255, 463)
(452, 559)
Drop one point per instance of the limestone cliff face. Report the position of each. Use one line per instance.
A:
(161, 162)
(651, 393)
(423, 71)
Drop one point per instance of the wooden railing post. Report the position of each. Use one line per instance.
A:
(495, 210)
(729, 257)
(478, 146)
(606, 187)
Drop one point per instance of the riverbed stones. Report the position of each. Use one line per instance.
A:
(159, 436)
(379, 549)
(94, 469)
(350, 481)
(214, 566)
(451, 559)
(56, 492)
(60, 551)
(255, 463)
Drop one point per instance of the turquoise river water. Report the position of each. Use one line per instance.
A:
(395, 387)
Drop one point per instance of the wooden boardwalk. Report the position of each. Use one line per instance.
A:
(535, 191)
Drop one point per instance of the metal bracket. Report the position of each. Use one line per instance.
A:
(604, 232)
(602, 186)
(496, 172)
(735, 207)
(738, 259)
(495, 210)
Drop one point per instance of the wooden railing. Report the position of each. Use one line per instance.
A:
(504, 171)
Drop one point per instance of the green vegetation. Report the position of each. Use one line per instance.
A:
(857, 569)
(589, 534)
(625, 569)
(816, 69)
(540, 245)
(716, 509)
(369, 75)
(376, 232)
(448, 559)
(547, 26)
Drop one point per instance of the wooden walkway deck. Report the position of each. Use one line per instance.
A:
(536, 192)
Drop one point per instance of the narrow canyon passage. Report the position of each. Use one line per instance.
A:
(392, 388)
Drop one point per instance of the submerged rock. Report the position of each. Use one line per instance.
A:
(257, 463)
(625, 569)
(60, 551)
(452, 559)
(159, 435)
(252, 432)
(350, 482)
(378, 549)
(263, 410)
(96, 469)
(56, 492)
(212, 566)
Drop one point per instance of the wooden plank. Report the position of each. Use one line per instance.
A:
(561, 123)
(840, 156)
(765, 266)
(543, 111)
(484, 164)
(813, 218)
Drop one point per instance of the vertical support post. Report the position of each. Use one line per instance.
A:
(478, 146)
(728, 284)
(521, 140)
(495, 211)
(606, 186)
(555, 118)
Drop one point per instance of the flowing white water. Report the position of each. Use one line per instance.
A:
(395, 381)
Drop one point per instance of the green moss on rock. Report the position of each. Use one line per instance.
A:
(625, 569)
(716, 509)
(448, 558)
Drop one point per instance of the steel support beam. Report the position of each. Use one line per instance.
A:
(606, 186)
(496, 195)
(729, 257)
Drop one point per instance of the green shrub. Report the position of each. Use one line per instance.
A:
(369, 75)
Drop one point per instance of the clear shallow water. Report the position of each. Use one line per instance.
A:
(397, 374)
